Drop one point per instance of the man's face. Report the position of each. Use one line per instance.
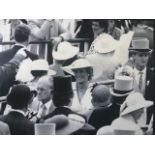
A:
(141, 60)
(44, 91)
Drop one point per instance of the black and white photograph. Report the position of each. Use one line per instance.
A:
(77, 77)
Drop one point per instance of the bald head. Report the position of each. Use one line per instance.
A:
(101, 95)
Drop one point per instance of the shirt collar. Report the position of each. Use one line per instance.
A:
(18, 44)
(19, 111)
(137, 71)
(47, 104)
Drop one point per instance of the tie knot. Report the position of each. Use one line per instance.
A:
(141, 73)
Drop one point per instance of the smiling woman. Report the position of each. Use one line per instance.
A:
(83, 72)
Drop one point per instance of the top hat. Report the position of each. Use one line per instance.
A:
(62, 85)
(65, 51)
(19, 96)
(123, 86)
(140, 45)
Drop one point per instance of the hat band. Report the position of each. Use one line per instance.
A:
(139, 50)
(122, 92)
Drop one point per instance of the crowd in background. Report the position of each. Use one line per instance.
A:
(107, 90)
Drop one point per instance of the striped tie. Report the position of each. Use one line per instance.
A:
(140, 81)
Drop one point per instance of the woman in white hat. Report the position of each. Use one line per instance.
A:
(131, 111)
(83, 72)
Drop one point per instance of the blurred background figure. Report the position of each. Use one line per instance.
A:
(64, 55)
(4, 129)
(47, 29)
(114, 31)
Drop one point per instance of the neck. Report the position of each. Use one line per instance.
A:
(82, 85)
(140, 68)
(23, 43)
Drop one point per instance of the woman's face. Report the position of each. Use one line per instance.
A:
(96, 27)
(111, 23)
(137, 114)
(81, 75)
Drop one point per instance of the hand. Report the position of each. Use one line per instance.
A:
(56, 40)
(21, 52)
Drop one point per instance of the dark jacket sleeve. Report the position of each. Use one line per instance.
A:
(8, 72)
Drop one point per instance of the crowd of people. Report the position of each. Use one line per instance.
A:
(107, 91)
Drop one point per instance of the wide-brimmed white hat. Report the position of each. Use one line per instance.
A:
(134, 102)
(41, 65)
(122, 126)
(77, 64)
(68, 125)
(65, 51)
(80, 63)
(123, 86)
(105, 44)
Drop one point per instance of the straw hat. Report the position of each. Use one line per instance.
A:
(67, 125)
(65, 51)
(80, 63)
(41, 65)
(134, 102)
(105, 44)
(121, 126)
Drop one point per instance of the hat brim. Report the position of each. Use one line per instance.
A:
(70, 128)
(133, 108)
(119, 94)
(133, 50)
(59, 56)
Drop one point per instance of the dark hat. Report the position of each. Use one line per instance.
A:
(140, 45)
(62, 85)
(19, 96)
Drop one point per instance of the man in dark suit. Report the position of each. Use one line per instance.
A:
(103, 112)
(62, 96)
(143, 75)
(21, 38)
(19, 98)
(22, 33)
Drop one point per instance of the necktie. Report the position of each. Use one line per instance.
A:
(42, 111)
(140, 81)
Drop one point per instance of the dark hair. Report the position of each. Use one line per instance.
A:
(19, 96)
(103, 23)
(89, 71)
(61, 100)
(22, 33)
(39, 73)
(118, 100)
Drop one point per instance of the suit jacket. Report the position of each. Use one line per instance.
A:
(18, 124)
(149, 91)
(7, 74)
(60, 111)
(102, 116)
(7, 55)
